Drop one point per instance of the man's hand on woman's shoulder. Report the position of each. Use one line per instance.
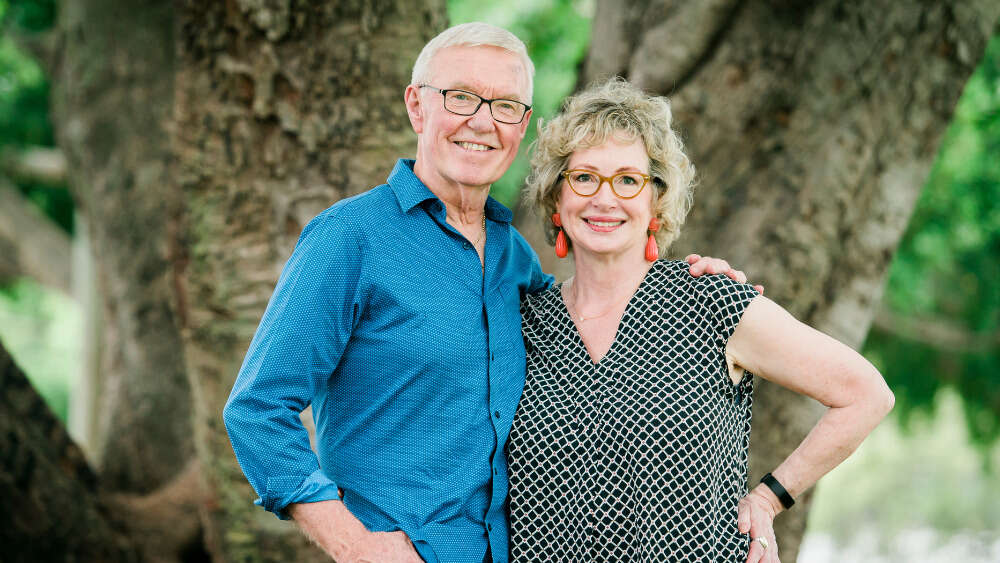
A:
(708, 265)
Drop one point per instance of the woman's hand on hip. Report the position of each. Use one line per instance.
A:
(756, 518)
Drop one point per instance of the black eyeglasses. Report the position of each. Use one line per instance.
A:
(461, 102)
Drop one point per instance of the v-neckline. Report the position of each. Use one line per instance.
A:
(618, 330)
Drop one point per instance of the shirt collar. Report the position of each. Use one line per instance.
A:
(411, 192)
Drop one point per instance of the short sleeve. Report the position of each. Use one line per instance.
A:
(726, 300)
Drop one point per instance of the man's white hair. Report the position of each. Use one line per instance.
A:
(472, 34)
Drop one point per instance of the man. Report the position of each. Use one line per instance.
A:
(396, 318)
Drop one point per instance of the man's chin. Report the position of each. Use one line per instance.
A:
(480, 179)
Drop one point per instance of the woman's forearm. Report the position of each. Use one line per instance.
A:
(834, 437)
(770, 343)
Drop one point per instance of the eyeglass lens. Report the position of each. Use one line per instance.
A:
(467, 103)
(625, 184)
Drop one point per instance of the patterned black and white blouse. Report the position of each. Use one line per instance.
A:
(643, 456)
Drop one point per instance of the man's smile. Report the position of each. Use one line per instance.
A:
(474, 146)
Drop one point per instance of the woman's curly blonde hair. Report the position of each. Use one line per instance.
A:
(616, 109)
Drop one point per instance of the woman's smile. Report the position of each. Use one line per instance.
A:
(603, 224)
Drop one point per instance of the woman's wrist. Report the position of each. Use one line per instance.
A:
(769, 498)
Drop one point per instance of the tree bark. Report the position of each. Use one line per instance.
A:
(112, 96)
(813, 126)
(51, 507)
(58, 508)
(281, 108)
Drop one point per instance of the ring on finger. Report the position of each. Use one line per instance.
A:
(762, 541)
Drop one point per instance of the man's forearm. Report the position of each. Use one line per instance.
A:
(330, 525)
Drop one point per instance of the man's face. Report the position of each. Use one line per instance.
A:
(467, 150)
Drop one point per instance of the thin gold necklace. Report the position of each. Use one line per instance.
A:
(482, 233)
(574, 312)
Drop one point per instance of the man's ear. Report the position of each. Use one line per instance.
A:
(524, 122)
(414, 108)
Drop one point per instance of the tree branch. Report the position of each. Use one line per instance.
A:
(43, 165)
(671, 50)
(31, 244)
(52, 511)
(56, 508)
(936, 332)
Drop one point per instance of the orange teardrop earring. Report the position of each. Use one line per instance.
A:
(562, 247)
(652, 251)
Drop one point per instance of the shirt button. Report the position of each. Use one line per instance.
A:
(496, 414)
(466, 245)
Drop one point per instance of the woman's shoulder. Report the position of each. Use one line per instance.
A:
(545, 300)
(669, 275)
(540, 310)
(678, 273)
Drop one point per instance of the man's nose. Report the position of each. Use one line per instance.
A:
(482, 119)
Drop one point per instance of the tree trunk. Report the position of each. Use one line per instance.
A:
(51, 507)
(281, 108)
(813, 126)
(113, 92)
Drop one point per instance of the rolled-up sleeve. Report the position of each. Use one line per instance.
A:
(298, 344)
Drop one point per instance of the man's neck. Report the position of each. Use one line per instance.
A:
(464, 205)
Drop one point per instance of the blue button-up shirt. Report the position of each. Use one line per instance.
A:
(412, 358)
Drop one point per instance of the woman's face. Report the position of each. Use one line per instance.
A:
(605, 224)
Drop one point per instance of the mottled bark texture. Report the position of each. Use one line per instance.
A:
(112, 96)
(51, 507)
(281, 108)
(813, 126)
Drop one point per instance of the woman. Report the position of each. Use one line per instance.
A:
(631, 439)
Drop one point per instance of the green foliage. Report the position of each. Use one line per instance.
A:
(556, 33)
(24, 98)
(948, 264)
(42, 330)
(928, 477)
(29, 15)
(24, 101)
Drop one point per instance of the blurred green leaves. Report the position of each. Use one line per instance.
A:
(41, 329)
(29, 15)
(946, 273)
(24, 101)
(557, 33)
(24, 90)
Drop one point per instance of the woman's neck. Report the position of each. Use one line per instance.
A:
(600, 280)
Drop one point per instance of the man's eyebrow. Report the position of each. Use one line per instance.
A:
(474, 90)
